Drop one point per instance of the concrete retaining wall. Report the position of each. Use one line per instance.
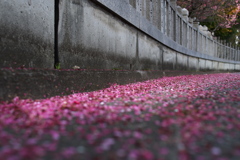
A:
(91, 38)
(27, 33)
(107, 34)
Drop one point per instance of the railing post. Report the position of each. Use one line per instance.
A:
(139, 6)
(225, 49)
(200, 43)
(228, 57)
(220, 48)
(169, 19)
(174, 20)
(238, 54)
(231, 51)
(234, 52)
(156, 14)
(214, 48)
(133, 3)
(237, 57)
(174, 3)
(163, 15)
(175, 25)
(144, 8)
(180, 23)
(195, 24)
(149, 10)
(185, 14)
(189, 35)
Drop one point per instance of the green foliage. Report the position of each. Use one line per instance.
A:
(57, 66)
(227, 34)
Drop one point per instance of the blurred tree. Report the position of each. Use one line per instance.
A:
(230, 34)
(220, 16)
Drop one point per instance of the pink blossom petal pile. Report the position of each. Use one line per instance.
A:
(185, 117)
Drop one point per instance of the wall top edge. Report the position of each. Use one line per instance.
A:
(130, 14)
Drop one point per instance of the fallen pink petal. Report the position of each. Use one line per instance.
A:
(184, 117)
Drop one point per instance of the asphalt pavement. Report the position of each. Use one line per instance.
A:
(190, 117)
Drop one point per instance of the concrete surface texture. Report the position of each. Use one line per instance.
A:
(27, 33)
(107, 34)
(190, 117)
(45, 83)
